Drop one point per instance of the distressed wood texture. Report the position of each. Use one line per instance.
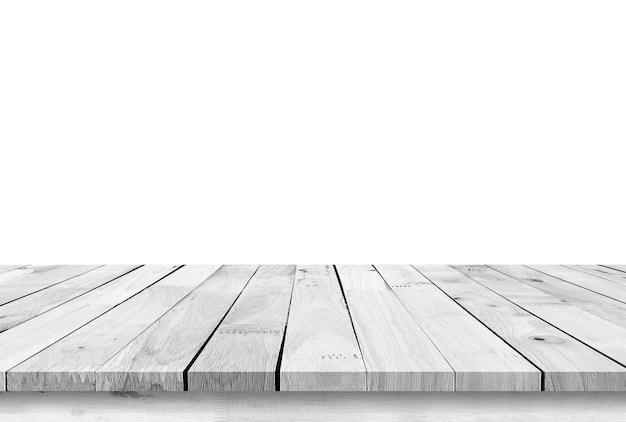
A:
(25, 340)
(319, 328)
(567, 364)
(243, 353)
(34, 279)
(321, 349)
(158, 357)
(398, 355)
(481, 360)
(70, 364)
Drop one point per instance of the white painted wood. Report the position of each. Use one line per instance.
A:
(595, 303)
(5, 268)
(480, 359)
(27, 339)
(70, 364)
(617, 267)
(603, 286)
(568, 364)
(321, 351)
(598, 333)
(326, 407)
(398, 355)
(157, 358)
(602, 272)
(243, 353)
(30, 306)
(35, 278)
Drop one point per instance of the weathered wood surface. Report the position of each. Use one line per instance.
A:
(321, 349)
(70, 364)
(480, 359)
(243, 353)
(313, 328)
(159, 356)
(398, 354)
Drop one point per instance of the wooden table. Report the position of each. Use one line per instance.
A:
(312, 328)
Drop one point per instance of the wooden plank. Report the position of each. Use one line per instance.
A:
(38, 278)
(595, 303)
(398, 355)
(5, 268)
(326, 407)
(157, 358)
(243, 353)
(603, 286)
(22, 271)
(598, 333)
(321, 351)
(30, 306)
(567, 364)
(480, 359)
(31, 337)
(602, 272)
(70, 364)
(616, 267)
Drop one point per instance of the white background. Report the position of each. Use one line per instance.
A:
(312, 131)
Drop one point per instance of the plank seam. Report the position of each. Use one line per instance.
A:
(282, 344)
(345, 301)
(156, 321)
(616, 269)
(547, 322)
(418, 324)
(67, 301)
(52, 285)
(574, 284)
(193, 360)
(486, 326)
(88, 322)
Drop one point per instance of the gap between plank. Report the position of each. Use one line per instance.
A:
(574, 284)
(6, 374)
(67, 301)
(616, 269)
(547, 322)
(157, 320)
(345, 301)
(282, 344)
(543, 375)
(418, 324)
(186, 370)
(52, 285)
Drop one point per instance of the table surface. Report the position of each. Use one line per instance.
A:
(313, 328)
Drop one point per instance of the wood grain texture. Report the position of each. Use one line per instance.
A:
(567, 364)
(243, 353)
(27, 339)
(70, 364)
(321, 352)
(158, 357)
(398, 355)
(596, 332)
(595, 303)
(36, 278)
(326, 407)
(600, 285)
(30, 306)
(602, 272)
(480, 359)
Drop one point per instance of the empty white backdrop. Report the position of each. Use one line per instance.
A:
(312, 131)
